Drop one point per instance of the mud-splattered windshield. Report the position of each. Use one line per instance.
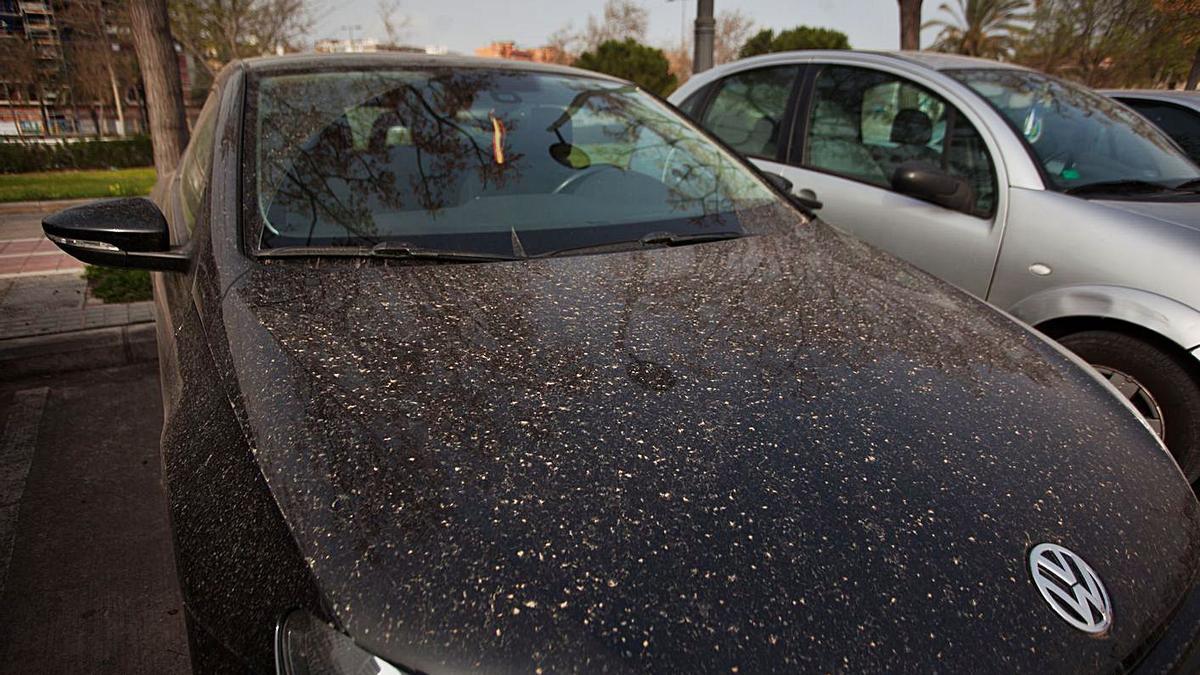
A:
(497, 162)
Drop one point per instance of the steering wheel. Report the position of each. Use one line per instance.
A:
(587, 173)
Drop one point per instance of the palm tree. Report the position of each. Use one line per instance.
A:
(987, 28)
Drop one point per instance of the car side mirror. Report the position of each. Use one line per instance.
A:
(129, 232)
(804, 198)
(923, 181)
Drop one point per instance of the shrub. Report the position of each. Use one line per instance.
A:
(767, 41)
(24, 156)
(645, 66)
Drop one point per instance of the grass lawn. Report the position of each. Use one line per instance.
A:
(21, 187)
(118, 285)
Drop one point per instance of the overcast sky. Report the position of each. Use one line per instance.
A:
(463, 25)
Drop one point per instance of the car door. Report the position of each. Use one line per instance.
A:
(182, 205)
(853, 126)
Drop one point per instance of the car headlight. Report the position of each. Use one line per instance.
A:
(305, 645)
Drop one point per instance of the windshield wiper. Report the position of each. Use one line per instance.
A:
(1119, 187)
(651, 240)
(387, 249)
(399, 249)
(1190, 185)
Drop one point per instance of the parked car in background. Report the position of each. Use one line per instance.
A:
(1175, 112)
(502, 367)
(1040, 196)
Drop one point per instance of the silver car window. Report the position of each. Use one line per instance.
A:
(864, 123)
(1079, 137)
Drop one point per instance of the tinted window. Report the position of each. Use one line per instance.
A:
(506, 163)
(1079, 137)
(196, 167)
(1180, 123)
(691, 105)
(865, 123)
(749, 109)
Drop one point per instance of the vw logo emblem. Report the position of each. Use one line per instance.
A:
(1071, 587)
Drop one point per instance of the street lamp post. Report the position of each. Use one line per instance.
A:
(350, 33)
(705, 28)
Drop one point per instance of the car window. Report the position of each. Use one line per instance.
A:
(503, 162)
(691, 105)
(749, 109)
(864, 123)
(196, 166)
(1080, 138)
(1181, 124)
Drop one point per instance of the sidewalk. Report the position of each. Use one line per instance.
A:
(24, 251)
(44, 303)
(59, 303)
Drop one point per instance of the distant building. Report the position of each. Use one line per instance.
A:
(508, 50)
(332, 46)
(58, 112)
(370, 46)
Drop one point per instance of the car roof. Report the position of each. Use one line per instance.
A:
(930, 60)
(942, 61)
(313, 61)
(1187, 98)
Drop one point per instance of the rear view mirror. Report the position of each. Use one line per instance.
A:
(128, 232)
(923, 181)
(804, 198)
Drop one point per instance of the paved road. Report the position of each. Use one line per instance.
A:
(87, 577)
(41, 288)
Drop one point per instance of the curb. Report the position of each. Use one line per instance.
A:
(77, 350)
(45, 207)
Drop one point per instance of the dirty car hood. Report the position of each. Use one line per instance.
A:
(776, 453)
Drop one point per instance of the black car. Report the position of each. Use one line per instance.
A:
(483, 366)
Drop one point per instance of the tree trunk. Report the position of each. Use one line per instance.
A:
(112, 78)
(41, 91)
(12, 109)
(1194, 73)
(910, 24)
(160, 74)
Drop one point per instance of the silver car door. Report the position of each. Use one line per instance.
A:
(854, 127)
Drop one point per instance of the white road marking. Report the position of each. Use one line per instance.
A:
(16, 454)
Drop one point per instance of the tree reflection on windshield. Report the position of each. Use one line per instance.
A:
(481, 160)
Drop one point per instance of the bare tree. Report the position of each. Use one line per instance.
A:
(1184, 16)
(733, 28)
(218, 31)
(160, 74)
(395, 24)
(96, 71)
(561, 43)
(621, 19)
(910, 24)
(20, 73)
(679, 58)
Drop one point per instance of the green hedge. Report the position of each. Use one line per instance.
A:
(23, 156)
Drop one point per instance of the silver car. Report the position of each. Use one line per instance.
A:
(1044, 198)
(1175, 112)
